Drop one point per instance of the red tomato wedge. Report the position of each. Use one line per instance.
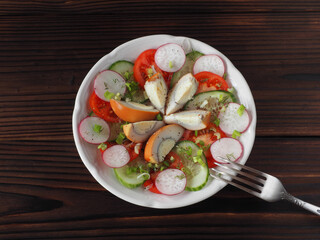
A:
(204, 138)
(102, 109)
(144, 67)
(209, 81)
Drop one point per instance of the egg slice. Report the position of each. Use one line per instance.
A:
(181, 93)
(191, 120)
(156, 90)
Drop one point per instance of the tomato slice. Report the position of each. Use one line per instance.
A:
(204, 138)
(144, 65)
(150, 183)
(209, 81)
(102, 109)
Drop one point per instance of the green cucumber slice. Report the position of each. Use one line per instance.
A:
(187, 67)
(197, 174)
(130, 175)
(212, 101)
(125, 68)
(134, 92)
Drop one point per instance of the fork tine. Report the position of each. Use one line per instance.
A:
(242, 180)
(259, 173)
(254, 178)
(235, 184)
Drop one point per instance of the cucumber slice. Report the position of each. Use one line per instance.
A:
(125, 68)
(130, 175)
(187, 67)
(134, 92)
(211, 101)
(197, 174)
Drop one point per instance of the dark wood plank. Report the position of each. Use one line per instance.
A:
(46, 60)
(44, 185)
(181, 7)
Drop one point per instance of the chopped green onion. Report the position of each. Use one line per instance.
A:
(218, 135)
(196, 133)
(225, 76)
(162, 168)
(120, 138)
(150, 72)
(108, 95)
(170, 64)
(241, 110)
(172, 159)
(200, 142)
(159, 117)
(236, 134)
(166, 163)
(127, 75)
(97, 128)
(90, 113)
(189, 151)
(217, 122)
(117, 96)
(198, 158)
(102, 146)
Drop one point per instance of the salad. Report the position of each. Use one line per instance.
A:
(163, 120)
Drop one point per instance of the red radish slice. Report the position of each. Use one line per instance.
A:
(228, 148)
(170, 57)
(94, 130)
(171, 181)
(116, 156)
(233, 119)
(108, 84)
(209, 63)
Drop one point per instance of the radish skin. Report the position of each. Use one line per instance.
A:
(110, 81)
(116, 156)
(210, 63)
(230, 120)
(171, 181)
(89, 134)
(228, 148)
(170, 57)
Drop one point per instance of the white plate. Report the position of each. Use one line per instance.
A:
(89, 153)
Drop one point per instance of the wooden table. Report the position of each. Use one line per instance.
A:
(46, 49)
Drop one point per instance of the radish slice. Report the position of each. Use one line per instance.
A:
(234, 118)
(116, 156)
(108, 84)
(171, 181)
(170, 57)
(94, 130)
(209, 63)
(228, 148)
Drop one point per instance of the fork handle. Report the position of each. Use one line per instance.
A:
(300, 203)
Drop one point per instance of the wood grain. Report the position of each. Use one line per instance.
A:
(54, 56)
(47, 48)
(47, 186)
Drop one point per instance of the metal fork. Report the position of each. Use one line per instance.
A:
(257, 183)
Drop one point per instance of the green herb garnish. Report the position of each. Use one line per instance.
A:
(108, 95)
(97, 128)
(241, 109)
(236, 134)
(120, 138)
(159, 117)
(102, 146)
